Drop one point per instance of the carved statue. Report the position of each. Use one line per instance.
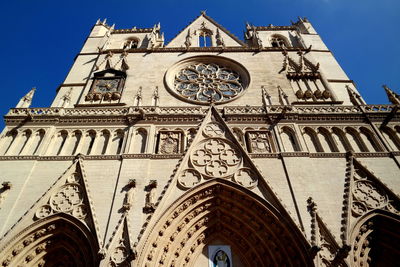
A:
(188, 39)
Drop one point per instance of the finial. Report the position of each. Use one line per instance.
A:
(203, 12)
(26, 100)
(393, 97)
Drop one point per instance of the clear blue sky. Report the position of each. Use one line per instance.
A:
(39, 39)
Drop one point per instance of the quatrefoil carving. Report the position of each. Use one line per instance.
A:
(216, 158)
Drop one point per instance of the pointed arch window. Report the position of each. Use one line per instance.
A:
(205, 38)
(140, 141)
(8, 141)
(279, 41)
(131, 43)
(289, 139)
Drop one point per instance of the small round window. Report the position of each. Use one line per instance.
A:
(207, 80)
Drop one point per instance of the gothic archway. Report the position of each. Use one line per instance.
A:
(257, 233)
(375, 240)
(59, 240)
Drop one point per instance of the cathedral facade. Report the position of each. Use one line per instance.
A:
(208, 150)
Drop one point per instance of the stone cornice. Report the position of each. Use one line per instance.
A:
(207, 49)
(178, 156)
(132, 30)
(276, 28)
(129, 115)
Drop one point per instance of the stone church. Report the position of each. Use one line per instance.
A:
(208, 150)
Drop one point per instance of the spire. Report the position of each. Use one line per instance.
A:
(156, 97)
(393, 97)
(66, 98)
(26, 101)
(266, 97)
(354, 97)
(283, 96)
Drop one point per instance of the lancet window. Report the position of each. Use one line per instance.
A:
(289, 140)
(279, 41)
(131, 43)
(140, 141)
(205, 38)
(391, 137)
(8, 141)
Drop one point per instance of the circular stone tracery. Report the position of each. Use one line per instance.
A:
(208, 83)
(207, 79)
(215, 158)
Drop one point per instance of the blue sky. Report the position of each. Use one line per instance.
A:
(39, 39)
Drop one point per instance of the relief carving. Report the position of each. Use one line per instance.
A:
(258, 141)
(369, 195)
(150, 197)
(215, 157)
(68, 199)
(170, 143)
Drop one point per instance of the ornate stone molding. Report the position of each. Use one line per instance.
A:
(233, 113)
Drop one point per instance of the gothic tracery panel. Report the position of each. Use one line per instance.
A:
(170, 142)
(259, 142)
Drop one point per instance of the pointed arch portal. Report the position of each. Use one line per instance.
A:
(59, 240)
(257, 233)
(376, 239)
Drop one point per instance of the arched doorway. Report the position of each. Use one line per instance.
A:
(220, 212)
(375, 240)
(59, 240)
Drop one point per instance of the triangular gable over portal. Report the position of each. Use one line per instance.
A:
(201, 26)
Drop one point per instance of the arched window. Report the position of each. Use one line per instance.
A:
(278, 41)
(355, 141)
(369, 140)
(36, 142)
(391, 138)
(102, 144)
(131, 43)
(205, 38)
(140, 140)
(289, 140)
(33, 143)
(326, 140)
(115, 145)
(340, 139)
(60, 139)
(312, 141)
(23, 142)
(88, 142)
(7, 141)
(72, 143)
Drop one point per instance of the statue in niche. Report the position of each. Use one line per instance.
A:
(150, 197)
(258, 142)
(221, 259)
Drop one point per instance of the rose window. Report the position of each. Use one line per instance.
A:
(208, 82)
